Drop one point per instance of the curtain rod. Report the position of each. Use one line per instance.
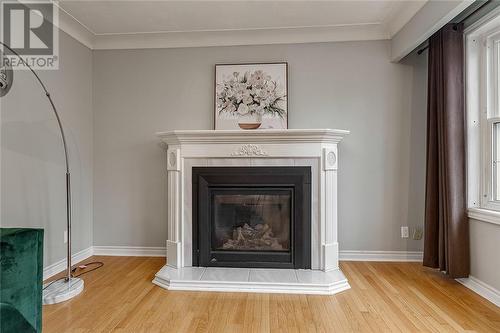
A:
(460, 18)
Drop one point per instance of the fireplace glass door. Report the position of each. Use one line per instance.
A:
(252, 220)
(252, 217)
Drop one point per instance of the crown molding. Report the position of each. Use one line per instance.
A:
(75, 29)
(240, 37)
(70, 25)
(286, 35)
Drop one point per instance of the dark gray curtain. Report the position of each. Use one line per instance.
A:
(446, 239)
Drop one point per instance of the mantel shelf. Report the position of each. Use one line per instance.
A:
(179, 137)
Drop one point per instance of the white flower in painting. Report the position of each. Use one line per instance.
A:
(221, 88)
(240, 92)
(247, 99)
(258, 78)
(243, 109)
(227, 106)
(261, 93)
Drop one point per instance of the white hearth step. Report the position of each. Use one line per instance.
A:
(259, 280)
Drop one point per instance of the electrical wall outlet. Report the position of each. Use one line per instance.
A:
(405, 232)
(65, 236)
(417, 233)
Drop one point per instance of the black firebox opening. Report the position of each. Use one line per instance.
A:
(252, 217)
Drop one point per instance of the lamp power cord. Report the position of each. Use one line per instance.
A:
(82, 269)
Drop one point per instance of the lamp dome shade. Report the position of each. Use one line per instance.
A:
(6, 75)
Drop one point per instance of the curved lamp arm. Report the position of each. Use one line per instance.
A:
(68, 176)
(50, 100)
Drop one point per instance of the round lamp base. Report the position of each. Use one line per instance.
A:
(62, 290)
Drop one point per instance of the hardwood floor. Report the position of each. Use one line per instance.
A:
(385, 297)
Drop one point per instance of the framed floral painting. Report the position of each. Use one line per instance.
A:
(251, 96)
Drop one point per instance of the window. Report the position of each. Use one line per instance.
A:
(483, 118)
(493, 89)
(496, 160)
(490, 122)
(492, 178)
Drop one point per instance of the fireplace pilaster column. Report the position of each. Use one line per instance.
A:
(174, 258)
(330, 246)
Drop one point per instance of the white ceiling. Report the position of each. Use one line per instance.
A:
(139, 24)
(135, 17)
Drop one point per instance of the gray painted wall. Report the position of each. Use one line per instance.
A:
(484, 239)
(32, 159)
(417, 150)
(348, 85)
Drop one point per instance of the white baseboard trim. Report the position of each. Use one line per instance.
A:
(482, 289)
(407, 256)
(130, 251)
(60, 266)
(138, 251)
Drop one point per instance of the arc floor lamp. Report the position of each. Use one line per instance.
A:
(69, 286)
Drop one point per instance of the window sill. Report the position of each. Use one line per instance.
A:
(484, 215)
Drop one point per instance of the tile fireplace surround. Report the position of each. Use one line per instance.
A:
(314, 148)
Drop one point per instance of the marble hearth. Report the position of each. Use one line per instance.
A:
(314, 148)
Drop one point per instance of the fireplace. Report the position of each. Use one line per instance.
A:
(252, 217)
(252, 211)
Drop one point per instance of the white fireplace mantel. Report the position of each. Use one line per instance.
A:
(253, 136)
(316, 148)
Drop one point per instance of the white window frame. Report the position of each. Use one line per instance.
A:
(488, 147)
(482, 104)
(496, 164)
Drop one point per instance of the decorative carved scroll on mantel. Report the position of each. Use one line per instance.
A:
(249, 150)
